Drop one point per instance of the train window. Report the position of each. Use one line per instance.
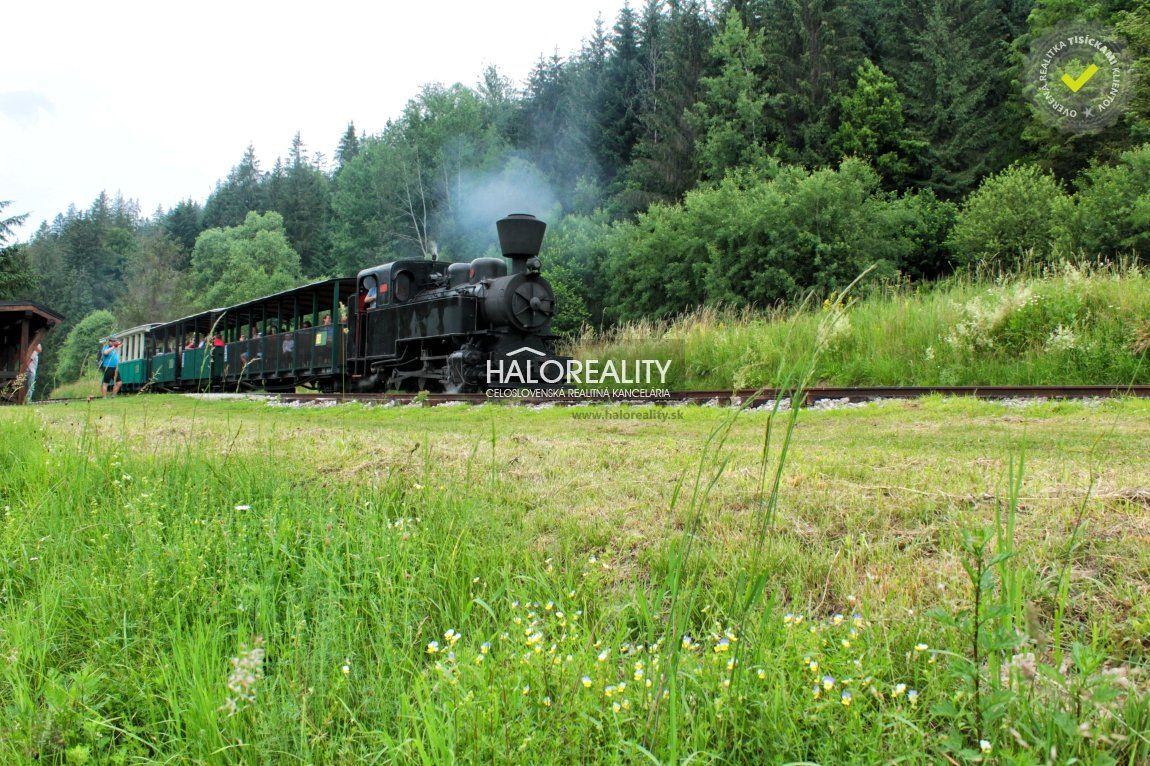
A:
(403, 283)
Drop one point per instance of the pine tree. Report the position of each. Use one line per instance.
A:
(872, 125)
(238, 195)
(348, 147)
(665, 166)
(619, 105)
(731, 114)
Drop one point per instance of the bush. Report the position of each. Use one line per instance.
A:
(655, 265)
(78, 355)
(929, 221)
(1011, 215)
(577, 244)
(764, 236)
(570, 309)
(1110, 215)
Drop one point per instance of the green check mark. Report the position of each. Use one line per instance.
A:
(1076, 84)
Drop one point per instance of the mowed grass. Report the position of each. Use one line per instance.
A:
(227, 582)
(1060, 325)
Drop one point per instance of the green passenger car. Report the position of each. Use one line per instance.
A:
(135, 357)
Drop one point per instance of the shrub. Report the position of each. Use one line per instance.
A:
(1110, 215)
(78, 354)
(1010, 215)
(655, 265)
(929, 221)
(577, 245)
(763, 236)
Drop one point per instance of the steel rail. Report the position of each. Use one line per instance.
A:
(718, 397)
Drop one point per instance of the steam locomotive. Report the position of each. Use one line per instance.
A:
(407, 325)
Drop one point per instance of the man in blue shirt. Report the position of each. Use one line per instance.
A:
(110, 358)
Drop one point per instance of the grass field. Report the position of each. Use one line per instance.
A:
(228, 582)
(1061, 325)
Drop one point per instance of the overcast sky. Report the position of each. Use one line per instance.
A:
(158, 100)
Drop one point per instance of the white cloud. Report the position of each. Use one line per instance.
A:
(24, 107)
(159, 100)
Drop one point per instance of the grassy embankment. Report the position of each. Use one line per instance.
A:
(493, 584)
(89, 385)
(1062, 326)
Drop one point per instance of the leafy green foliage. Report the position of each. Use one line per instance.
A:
(238, 263)
(78, 354)
(14, 274)
(1012, 215)
(872, 125)
(571, 312)
(730, 116)
(154, 290)
(1110, 215)
(759, 238)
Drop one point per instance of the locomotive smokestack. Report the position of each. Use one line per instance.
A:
(520, 238)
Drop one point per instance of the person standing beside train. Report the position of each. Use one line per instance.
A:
(110, 356)
(33, 366)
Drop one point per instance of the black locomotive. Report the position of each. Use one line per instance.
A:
(435, 328)
(408, 325)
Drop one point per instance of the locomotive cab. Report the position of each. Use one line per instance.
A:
(395, 282)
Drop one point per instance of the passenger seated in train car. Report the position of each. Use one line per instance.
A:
(217, 341)
(306, 325)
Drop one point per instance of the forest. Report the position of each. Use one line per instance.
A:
(744, 153)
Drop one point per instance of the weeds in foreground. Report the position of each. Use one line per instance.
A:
(415, 620)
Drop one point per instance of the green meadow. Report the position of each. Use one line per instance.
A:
(1057, 324)
(227, 582)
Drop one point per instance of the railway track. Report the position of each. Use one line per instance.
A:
(738, 397)
(715, 397)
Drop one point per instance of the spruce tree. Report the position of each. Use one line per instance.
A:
(238, 195)
(619, 106)
(664, 165)
(730, 116)
(15, 276)
(348, 147)
(812, 48)
(955, 88)
(872, 125)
